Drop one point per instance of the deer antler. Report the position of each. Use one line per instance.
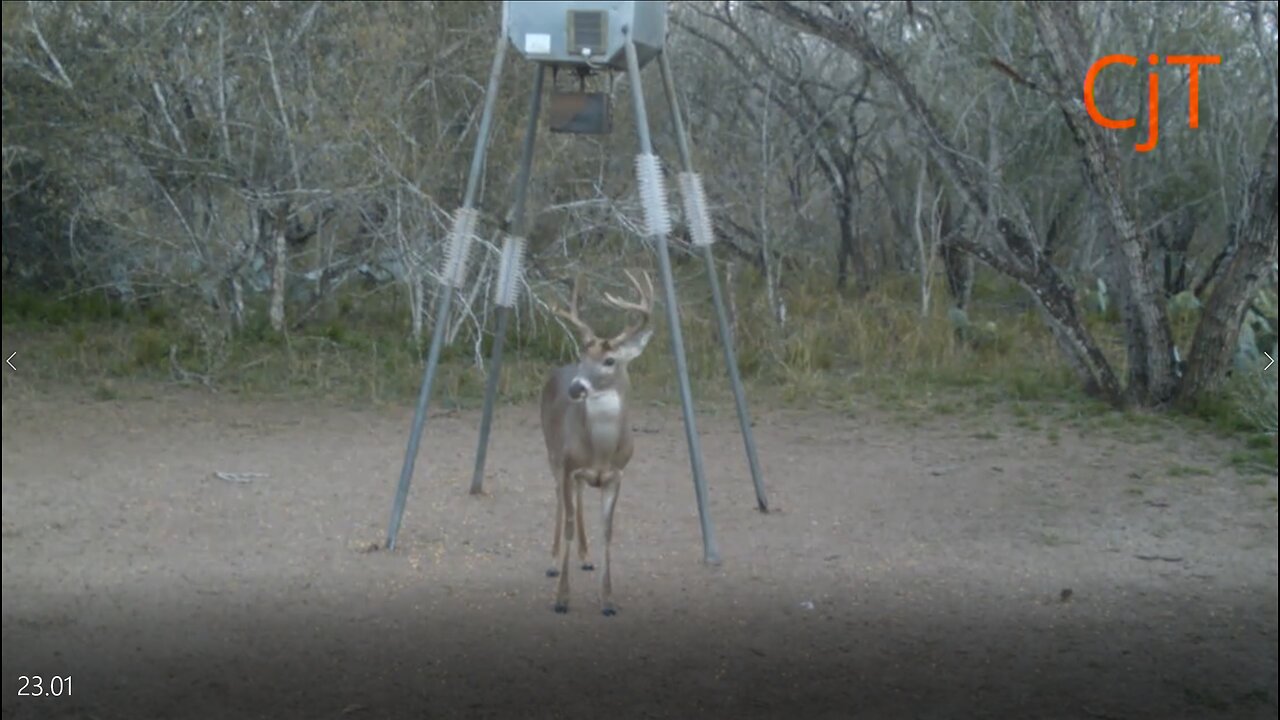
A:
(644, 307)
(587, 334)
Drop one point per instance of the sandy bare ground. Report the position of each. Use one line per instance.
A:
(908, 572)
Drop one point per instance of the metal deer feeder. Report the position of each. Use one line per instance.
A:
(587, 39)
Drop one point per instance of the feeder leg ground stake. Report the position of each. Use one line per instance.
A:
(455, 270)
(653, 197)
(699, 220)
(506, 290)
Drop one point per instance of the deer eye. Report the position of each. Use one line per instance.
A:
(610, 362)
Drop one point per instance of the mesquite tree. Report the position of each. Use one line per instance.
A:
(1050, 64)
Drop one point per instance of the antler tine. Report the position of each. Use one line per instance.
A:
(649, 281)
(572, 314)
(646, 296)
(644, 307)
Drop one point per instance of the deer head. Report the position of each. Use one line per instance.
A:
(602, 363)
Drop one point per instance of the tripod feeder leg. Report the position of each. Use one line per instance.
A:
(658, 221)
(455, 265)
(505, 291)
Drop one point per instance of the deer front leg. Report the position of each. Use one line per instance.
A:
(584, 556)
(566, 511)
(557, 529)
(608, 500)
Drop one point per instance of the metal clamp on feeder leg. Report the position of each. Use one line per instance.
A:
(653, 196)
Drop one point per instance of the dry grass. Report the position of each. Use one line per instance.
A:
(835, 351)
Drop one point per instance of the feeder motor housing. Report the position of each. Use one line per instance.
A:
(585, 33)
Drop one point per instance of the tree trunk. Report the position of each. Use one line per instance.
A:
(957, 265)
(237, 303)
(850, 251)
(777, 308)
(1173, 239)
(246, 245)
(922, 250)
(324, 283)
(959, 268)
(1148, 337)
(844, 250)
(1218, 331)
(1057, 299)
(731, 302)
(417, 305)
(279, 265)
(1219, 262)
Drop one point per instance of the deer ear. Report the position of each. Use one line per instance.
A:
(631, 348)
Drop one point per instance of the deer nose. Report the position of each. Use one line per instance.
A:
(578, 390)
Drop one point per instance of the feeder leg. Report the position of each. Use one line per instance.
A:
(730, 359)
(517, 229)
(446, 298)
(711, 552)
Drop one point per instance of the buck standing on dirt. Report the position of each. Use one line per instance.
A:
(584, 421)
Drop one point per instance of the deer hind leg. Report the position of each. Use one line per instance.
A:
(584, 556)
(567, 528)
(610, 486)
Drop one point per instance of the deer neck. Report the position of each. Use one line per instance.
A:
(606, 417)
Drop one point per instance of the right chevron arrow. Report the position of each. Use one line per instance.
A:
(1270, 361)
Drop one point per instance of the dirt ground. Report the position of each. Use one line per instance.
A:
(905, 573)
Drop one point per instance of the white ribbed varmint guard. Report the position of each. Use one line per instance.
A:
(653, 195)
(456, 255)
(510, 271)
(696, 214)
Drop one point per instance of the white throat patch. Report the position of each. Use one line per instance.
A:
(604, 410)
(604, 403)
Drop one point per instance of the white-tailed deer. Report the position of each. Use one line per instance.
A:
(584, 422)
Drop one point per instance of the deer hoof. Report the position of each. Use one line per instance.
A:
(610, 611)
(562, 608)
(588, 567)
(552, 572)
